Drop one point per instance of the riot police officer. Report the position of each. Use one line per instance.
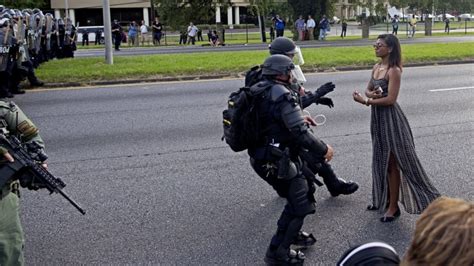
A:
(285, 132)
(335, 185)
(13, 121)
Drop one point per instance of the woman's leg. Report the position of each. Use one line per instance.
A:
(393, 185)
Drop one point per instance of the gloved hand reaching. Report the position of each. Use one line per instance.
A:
(325, 101)
(324, 89)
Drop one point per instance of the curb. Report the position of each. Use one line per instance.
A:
(238, 75)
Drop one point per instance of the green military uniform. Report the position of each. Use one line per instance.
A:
(14, 121)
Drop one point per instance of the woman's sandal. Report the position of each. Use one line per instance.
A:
(372, 208)
(388, 219)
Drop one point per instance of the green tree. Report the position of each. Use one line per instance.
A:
(20, 4)
(178, 14)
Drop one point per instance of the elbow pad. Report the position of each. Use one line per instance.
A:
(293, 118)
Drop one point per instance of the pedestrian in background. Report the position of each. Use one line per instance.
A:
(446, 24)
(310, 25)
(397, 173)
(132, 34)
(143, 32)
(85, 37)
(395, 25)
(117, 34)
(157, 29)
(412, 23)
(279, 26)
(192, 32)
(300, 27)
(344, 28)
(323, 27)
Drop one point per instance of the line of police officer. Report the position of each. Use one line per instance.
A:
(27, 39)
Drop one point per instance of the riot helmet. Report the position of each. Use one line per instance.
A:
(277, 64)
(282, 45)
(285, 46)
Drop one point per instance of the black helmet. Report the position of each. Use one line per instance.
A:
(277, 64)
(282, 45)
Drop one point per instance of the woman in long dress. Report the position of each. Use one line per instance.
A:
(396, 170)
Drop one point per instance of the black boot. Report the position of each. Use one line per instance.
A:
(336, 186)
(17, 90)
(36, 83)
(304, 239)
(277, 256)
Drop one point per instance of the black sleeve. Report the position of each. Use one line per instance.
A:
(293, 119)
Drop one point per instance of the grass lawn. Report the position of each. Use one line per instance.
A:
(86, 70)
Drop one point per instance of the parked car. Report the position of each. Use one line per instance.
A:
(334, 20)
(92, 30)
(466, 16)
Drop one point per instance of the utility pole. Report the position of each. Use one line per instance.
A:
(66, 9)
(107, 32)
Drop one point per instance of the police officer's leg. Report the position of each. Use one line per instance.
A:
(300, 204)
(11, 233)
(15, 80)
(336, 186)
(34, 81)
(4, 85)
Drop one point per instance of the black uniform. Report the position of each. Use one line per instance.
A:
(283, 128)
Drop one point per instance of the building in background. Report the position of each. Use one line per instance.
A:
(89, 12)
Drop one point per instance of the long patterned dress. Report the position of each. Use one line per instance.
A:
(391, 133)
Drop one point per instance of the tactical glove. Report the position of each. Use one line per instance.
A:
(324, 89)
(325, 101)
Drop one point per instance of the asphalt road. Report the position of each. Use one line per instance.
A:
(147, 163)
(135, 51)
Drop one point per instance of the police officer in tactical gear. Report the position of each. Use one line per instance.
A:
(13, 121)
(335, 185)
(283, 132)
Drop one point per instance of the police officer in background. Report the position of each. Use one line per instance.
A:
(285, 131)
(13, 121)
(336, 186)
(7, 56)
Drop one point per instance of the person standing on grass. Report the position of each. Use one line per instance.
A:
(157, 28)
(300, 28)
(412, 23)
(132, 34)
(192, 32)
(310, 25)
(397, 173)
(143, 32)
(344, 28)
(446, 24)
(395, 24)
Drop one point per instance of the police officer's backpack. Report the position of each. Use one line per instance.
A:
(240, 119)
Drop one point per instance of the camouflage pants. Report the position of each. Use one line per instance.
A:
(11, 233)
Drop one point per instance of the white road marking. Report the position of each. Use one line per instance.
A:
(453, 89)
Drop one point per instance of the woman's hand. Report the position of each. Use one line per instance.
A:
(358, 97)
(375, 94)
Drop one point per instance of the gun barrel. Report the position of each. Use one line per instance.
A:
(75, 204)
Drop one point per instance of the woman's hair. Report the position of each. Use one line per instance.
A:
(395, 57)
(444, 235)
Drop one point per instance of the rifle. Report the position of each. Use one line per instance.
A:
(28, 158)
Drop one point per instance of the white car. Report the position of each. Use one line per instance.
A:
(92, 31)
(334, 20)
(466, 16)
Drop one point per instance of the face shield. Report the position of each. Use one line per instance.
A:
(298, 75)
(298, 60)
(298, 56)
